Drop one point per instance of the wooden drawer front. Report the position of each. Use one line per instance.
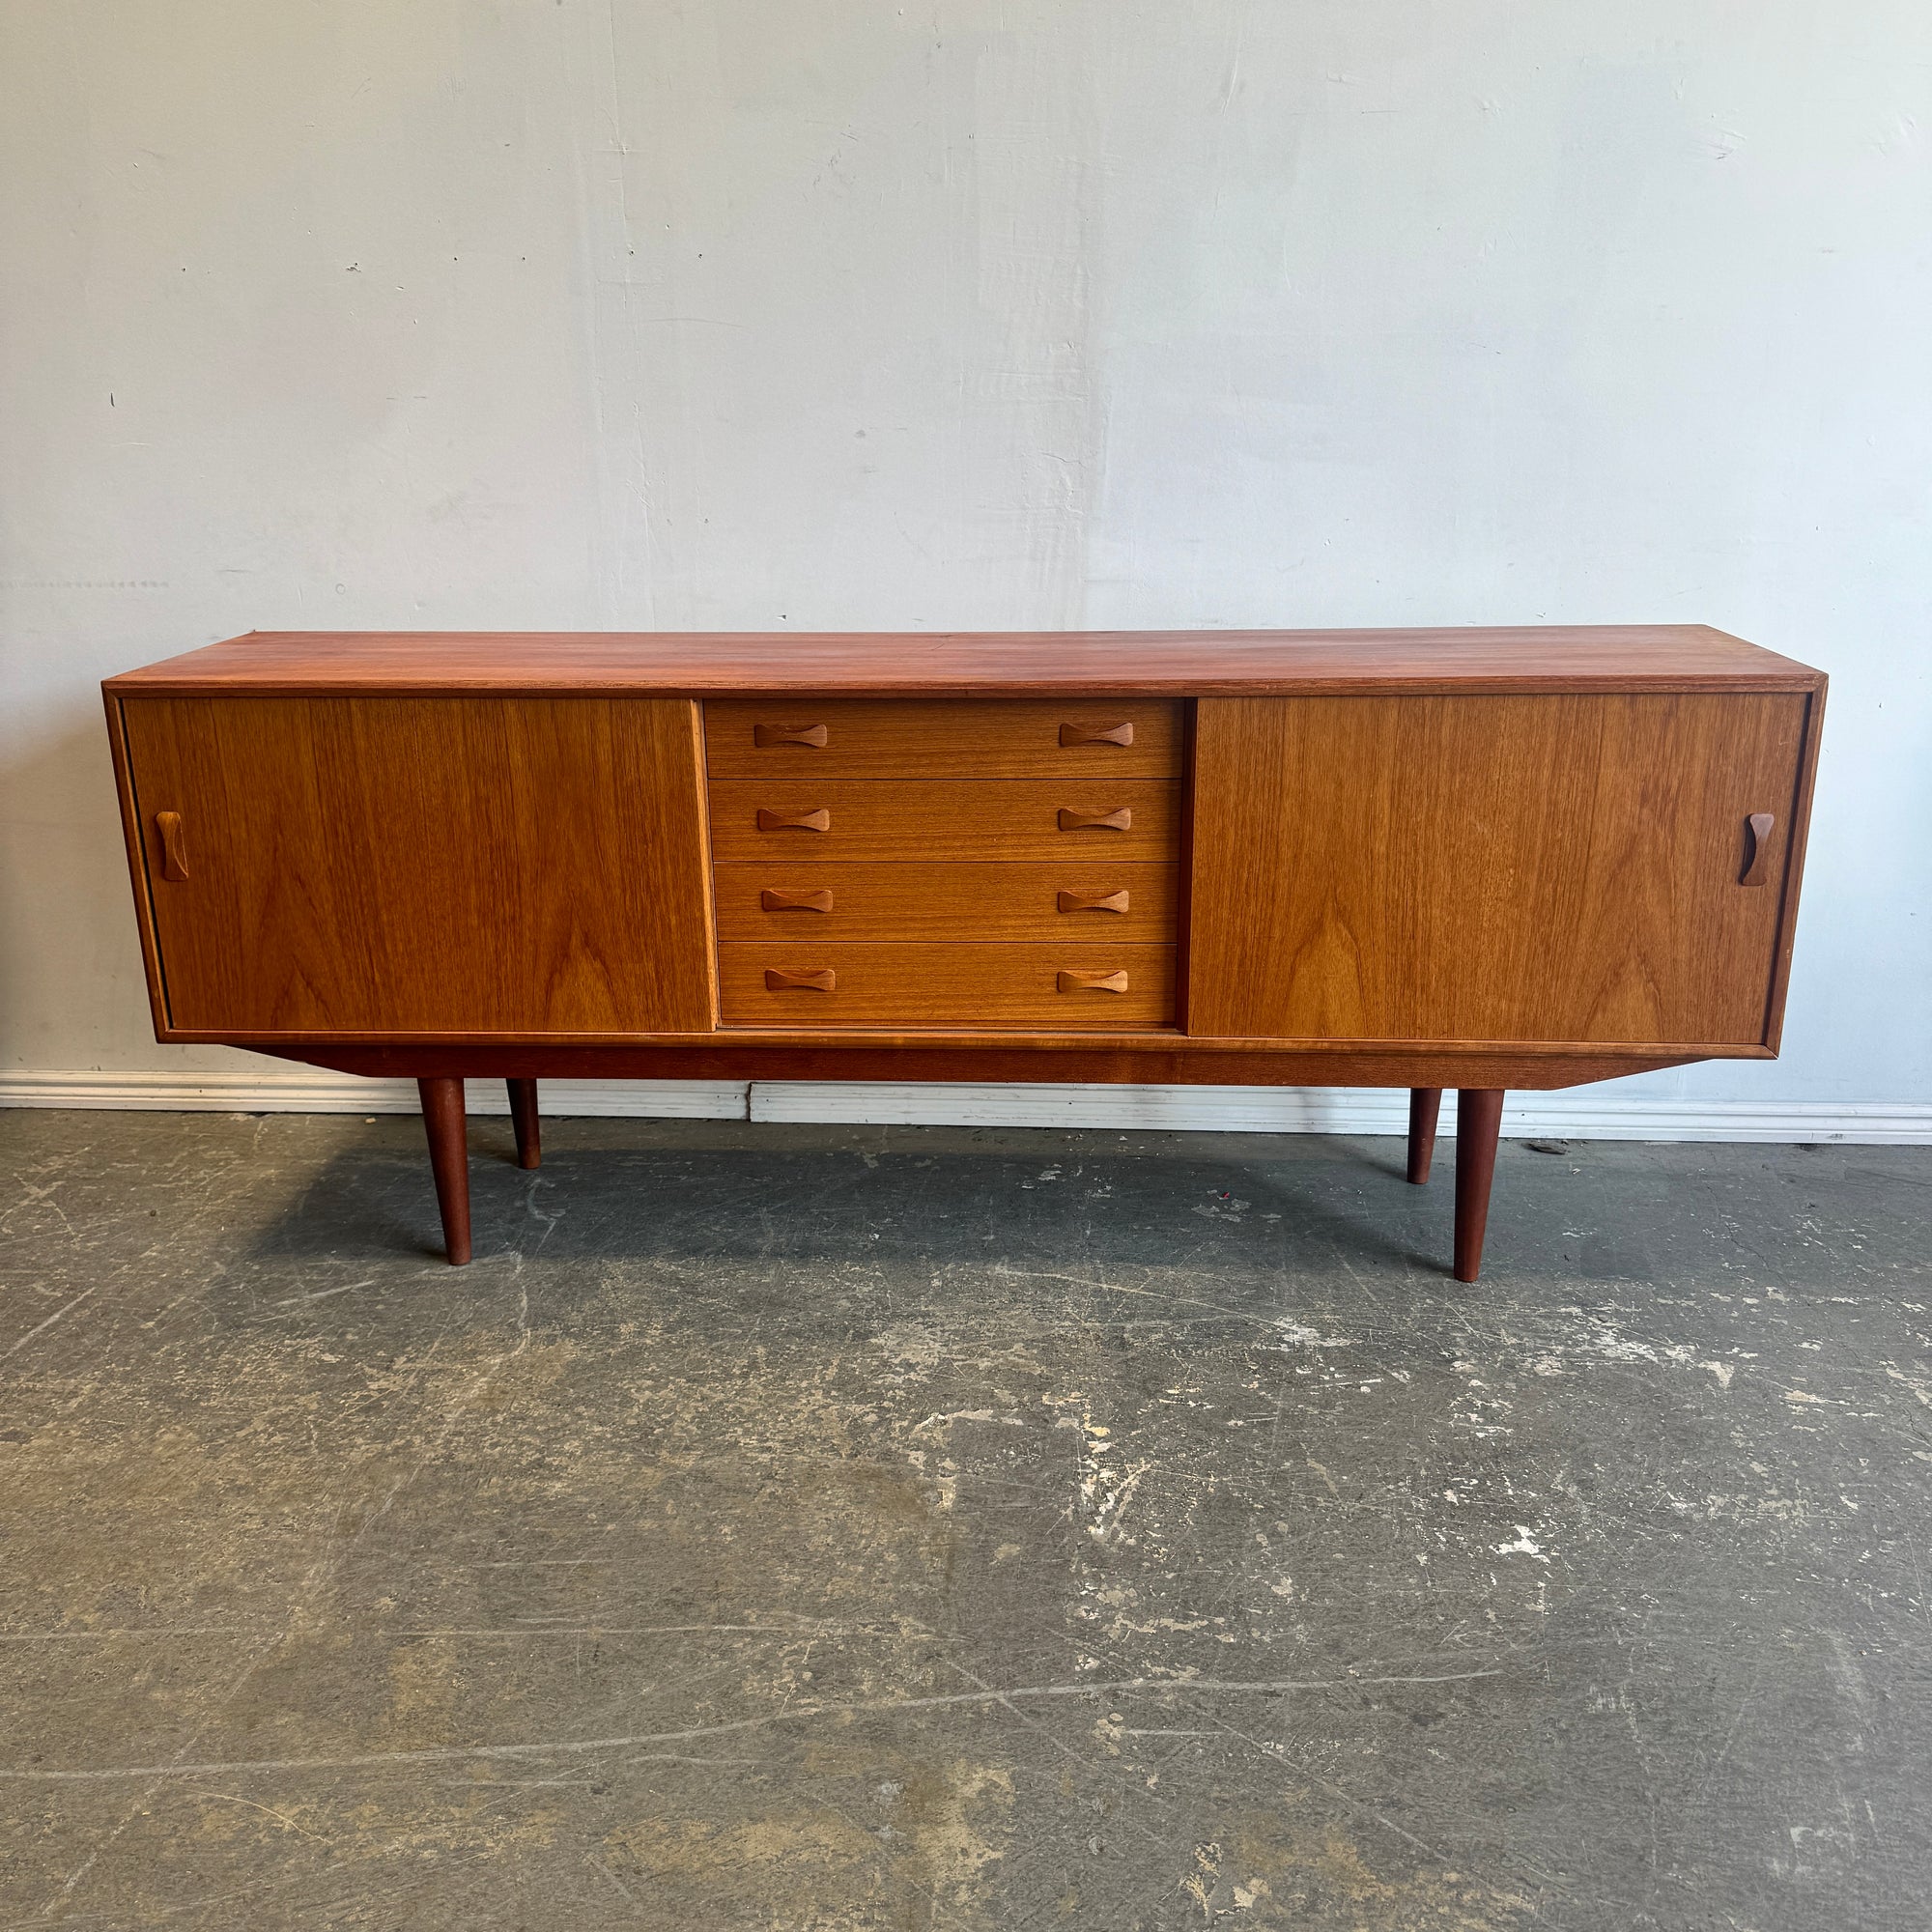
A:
(963, 986)
(794, 903)
(880, 738)
(903, 820)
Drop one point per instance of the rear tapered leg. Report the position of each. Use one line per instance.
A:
(1479, 1120)
(1425, 1103)
(523, 1116)
(449, 1161)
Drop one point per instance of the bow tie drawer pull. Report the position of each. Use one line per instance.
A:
(773, 901)
(1096, 821)
(789, 734)
(781, 979)
(794, 821)
(1096, 735)
(1089, 902)
(1093, 982)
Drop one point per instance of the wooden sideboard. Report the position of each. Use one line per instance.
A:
(1420, 859)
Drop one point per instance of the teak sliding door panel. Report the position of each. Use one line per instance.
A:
(425, 864)
(1561, 868)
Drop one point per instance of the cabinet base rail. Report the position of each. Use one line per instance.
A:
(1479, 1117)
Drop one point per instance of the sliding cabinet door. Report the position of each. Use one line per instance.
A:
(1570, 869)
(424, 866)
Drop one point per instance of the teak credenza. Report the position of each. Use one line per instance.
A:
(1424, 859)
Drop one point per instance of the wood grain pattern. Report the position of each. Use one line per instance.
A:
(428, 864)
(905, 738)
(1114, 663)
(913, 985)
(883, 821)
(960, 903)
(1560, 869)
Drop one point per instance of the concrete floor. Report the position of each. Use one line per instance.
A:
(826, 1528)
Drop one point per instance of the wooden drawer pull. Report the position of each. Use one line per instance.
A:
(174, 852)
(778, 980)
(1087, 821)
(787, 734)
(773, 901)
(1757, 846)
(1093, 982)
(1096, 735)
(1081, 902)
(795, 821)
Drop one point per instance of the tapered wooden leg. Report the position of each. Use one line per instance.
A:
(1478, 1119)
(1423, 1104)
(523, 1116)
(449, 1161)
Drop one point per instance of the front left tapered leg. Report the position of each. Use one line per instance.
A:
(524, 1117)
(1425, 1103)
(1479, 1120)
(449, 1161)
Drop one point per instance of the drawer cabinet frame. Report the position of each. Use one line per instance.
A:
(1337, 930)
(896, 815)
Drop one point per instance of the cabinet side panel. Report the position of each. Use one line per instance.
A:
(138, 864)
(1562, 870)
(1793, 867)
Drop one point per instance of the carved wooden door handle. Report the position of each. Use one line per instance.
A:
(774, 900)
(780, 979)
(1096, 735)
(1086, 821)
(174, 851)
(1757, 845)
(788, 734)
(1084, 903)
(1093, 982)
(794, 821)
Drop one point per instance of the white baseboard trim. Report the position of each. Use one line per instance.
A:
(1578, 1114)
(325, 1092)
(1582, 1113)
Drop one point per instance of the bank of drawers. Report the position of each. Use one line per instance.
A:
(979, 863)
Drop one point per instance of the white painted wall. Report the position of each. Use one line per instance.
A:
(547, 313)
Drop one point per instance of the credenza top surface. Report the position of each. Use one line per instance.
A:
(1191, 664)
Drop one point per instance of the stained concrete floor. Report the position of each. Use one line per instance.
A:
(826, 1528)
